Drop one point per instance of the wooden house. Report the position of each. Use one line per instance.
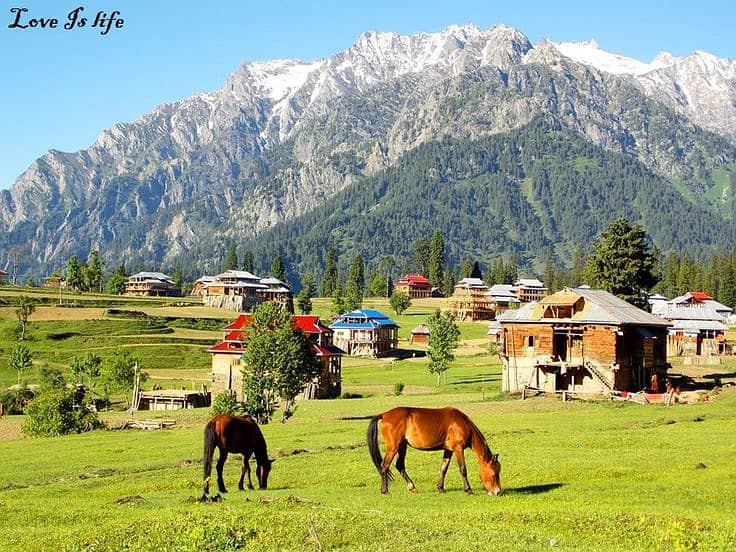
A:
(365, 332)
(328, 384)
(471, 301)
(414, 285)
(150, 284)
(199, 288)
(228, 365)
(276, 290)
(234, 289)
(54, 282)
(227, 357)
(173, 399)
(530, 289)
(239, 290)
(582, 340)
(420, 335)
(503, 297)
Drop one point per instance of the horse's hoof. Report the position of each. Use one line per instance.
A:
(469, 491)
(413, 489)
(440, 489)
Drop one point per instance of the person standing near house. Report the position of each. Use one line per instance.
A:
(654, 383)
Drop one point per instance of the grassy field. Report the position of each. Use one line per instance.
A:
(577, 475)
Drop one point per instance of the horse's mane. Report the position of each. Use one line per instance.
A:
(480, 439)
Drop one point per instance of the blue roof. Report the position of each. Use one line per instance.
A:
(363, 319)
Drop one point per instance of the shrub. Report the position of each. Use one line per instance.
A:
(53, 413)
(225, 403)
(15, 400)
(398, 388)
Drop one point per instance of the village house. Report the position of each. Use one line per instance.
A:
(414, 285)
(582, 340)
(365, 333)
(53, 282)
(277, 290)
(420, 335)
(227, 357)
(239, 290)
(150, 284)
(530, 289)
(698, 324)
(471, 301)
(503, 297)
(199, 288)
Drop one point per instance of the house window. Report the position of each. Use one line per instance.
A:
(530, 341)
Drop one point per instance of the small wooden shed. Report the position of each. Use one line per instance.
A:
(420, 335)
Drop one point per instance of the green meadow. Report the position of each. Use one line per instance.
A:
(577, 475)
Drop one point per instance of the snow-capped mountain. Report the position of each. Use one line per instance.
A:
(281, 137)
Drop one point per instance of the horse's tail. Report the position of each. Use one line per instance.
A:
(372, 439)
(210, 441)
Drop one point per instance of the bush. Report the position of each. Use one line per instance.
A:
(226, 403)
(398, 388)
(53, 413)
(15, 400)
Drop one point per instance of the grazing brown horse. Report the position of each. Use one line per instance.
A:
(239, 435)
(445, 429)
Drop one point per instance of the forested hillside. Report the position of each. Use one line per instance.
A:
(527, 191)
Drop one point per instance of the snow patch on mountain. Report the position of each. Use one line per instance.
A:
(588, 53)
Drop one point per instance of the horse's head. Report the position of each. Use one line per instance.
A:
(262, 472)
(490, 475)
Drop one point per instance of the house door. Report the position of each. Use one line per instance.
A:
(559, 346)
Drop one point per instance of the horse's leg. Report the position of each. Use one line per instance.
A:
(401, 466)
(245, 470)
(386, 466)
(220, 464)
(460, 455)
(446, 457)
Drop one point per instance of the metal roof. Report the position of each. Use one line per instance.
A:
(363, 319)
(600, 307)
(697, 325)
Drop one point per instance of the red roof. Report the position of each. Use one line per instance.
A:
(700, 296)
(240, 322)
(227, 347)
(414, 280)
(310, 324)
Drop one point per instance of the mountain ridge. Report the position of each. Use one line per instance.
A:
(282, 136)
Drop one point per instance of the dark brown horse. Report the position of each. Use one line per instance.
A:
(445, 429)
(239, 435)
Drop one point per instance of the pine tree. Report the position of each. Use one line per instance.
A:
(466, 268)
(436, 259)
(248, 260)
(338, 302)
(304, 299)
(621, 261)
(476, 271)
(277, 268)
(355, 284)
(73, 273)
(231, 259)
(577, 271)
(95, 272)
(421, 257)
(330, 276)
(116, 282)
(448, 282)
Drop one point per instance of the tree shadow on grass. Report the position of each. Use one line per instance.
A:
(534, 489)
(480, 378)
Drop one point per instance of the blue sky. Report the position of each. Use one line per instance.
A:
(62, 87)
